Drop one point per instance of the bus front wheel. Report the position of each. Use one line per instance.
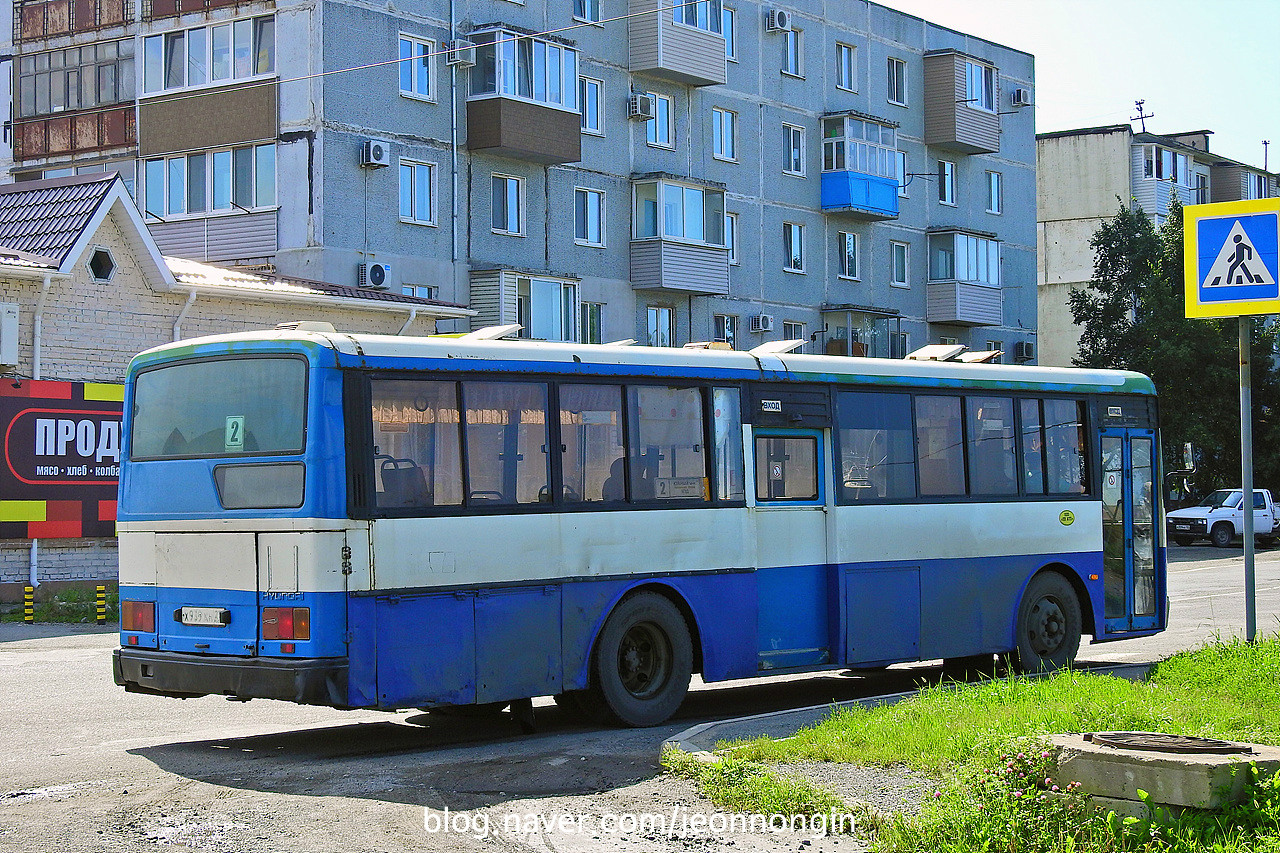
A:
(1049, 625)
(644, 660)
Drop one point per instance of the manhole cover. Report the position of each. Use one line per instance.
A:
(1159, 742)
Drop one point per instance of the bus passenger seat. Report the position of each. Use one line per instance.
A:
(404, 484)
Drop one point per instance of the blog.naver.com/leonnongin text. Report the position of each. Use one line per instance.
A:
(678, 822)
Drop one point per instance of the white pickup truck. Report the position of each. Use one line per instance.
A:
(1220, 518)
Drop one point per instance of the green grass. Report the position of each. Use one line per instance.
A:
(996, 791)
(69, 605)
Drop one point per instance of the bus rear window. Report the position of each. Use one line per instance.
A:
(223, 407)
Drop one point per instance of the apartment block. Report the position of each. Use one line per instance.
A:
(1086, 174)
(594, 170)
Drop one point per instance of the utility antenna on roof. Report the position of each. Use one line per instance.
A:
(1141, 116)
(1265, 144)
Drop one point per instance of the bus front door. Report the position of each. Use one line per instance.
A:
(1130, 534)
(791, 548)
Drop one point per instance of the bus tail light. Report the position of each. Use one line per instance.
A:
(286, 623)
(138, 616)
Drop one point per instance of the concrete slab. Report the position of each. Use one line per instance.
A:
(1203, 781)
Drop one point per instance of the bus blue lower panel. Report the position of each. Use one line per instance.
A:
(419, 648)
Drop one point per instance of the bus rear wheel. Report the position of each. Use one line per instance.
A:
(644, 660)
(1049, 625)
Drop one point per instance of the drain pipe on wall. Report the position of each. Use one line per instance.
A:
(182, 315)
(453, 130)
(413, 313)
(36, 324)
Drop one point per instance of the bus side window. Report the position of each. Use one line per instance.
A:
(1065, 447)
(667, 454)
(992, 457)
(727, 422)
(877, 456)
(417, 447)
(593, 453)
(1032, 447)
(939, 446)
(507, 459)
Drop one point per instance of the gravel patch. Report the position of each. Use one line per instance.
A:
(886, 789)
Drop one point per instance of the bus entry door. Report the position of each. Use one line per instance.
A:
(791, 548)
(1130, 534)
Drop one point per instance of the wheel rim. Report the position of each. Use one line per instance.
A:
(644, 660)
(1047, 626)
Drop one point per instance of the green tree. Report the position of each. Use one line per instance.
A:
(1132, 318)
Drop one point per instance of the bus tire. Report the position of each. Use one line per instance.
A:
(643, 660)
(1049, 625)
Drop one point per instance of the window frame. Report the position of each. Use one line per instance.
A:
(214, 181)
(597, 114)
(586, 13)
(731, 236)
(793, 53)
(982, 93)
(897, 81)
(162, 38)
(729, 30)
(428, 47)
(794, 144)
(432, 172)
(851, 67)
(790, 232)
(843, 238)
(520, 205)
(894, 281)
(995, 193)
(724, 128)
(724, 329)
(600, 224)
(658, 122)
(947, 183)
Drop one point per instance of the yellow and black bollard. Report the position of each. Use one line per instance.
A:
(102, 605)
(28, 604)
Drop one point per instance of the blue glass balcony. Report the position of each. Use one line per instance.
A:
(861, 195)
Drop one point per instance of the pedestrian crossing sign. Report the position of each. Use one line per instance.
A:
(1232, 258)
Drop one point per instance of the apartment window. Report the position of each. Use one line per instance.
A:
(947, 340)
(586, 10)
(868, 147)
(726, 329)
(1255, 186)
(847, 246)
(731, 236)
(662, 326)
(590, 98)
(724, 125)
(588, 217)
(422, 291)
(900, 169)
(659, 127)
(998, 347)
(792, 247)
(417, 192)
(1201, 189)
(591, 323)
(957, 256)
(678, 211)
(1165, 165)
(210, 181)
(793, 52)
(415, 67)
(898, 262)
(508, 205)
(516, 66)
(729, 29)
(946, 182)
(792, 331)
(793, 150)
(846, 67)
(980, 86)
(703, 14)
(214, 54)
(897, 82)
(995, 192)
(547, 308)
(75, 78)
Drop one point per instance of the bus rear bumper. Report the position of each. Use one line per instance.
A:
(308, 681)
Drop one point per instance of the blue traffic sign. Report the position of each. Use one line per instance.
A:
(1238, 257)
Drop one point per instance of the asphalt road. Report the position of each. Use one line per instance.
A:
(89, 767)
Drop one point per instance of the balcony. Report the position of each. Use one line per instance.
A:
(524, 101)
(678, 245)
(964, 280)
(681, 44)
(961, 112)
(859, 166)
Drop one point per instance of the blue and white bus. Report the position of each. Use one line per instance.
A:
(364, 521)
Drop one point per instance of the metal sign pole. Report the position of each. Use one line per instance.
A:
(1246, 475)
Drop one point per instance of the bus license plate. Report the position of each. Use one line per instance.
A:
(216, 616)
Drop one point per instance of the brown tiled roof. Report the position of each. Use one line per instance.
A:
(46, 218)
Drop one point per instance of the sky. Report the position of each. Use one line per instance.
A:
(1198, 64)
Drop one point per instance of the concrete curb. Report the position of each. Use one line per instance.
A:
(700, 740)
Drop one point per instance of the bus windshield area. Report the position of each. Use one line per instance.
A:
(220, 407)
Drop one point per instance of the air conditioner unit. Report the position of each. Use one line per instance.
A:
(1024, 351)
(777, 21)
(1021, 97)
(762, 322)
(460, 52)
(375, 153)
(642, 107)
(374, 276)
